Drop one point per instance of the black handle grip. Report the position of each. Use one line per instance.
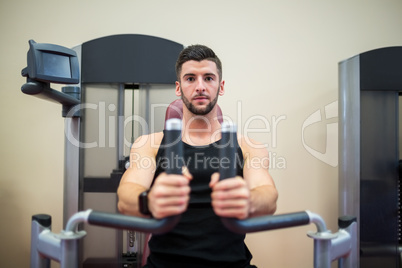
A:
(227, 152)
(174, 146)
(265, 223)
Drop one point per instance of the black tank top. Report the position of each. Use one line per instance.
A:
(199, 240)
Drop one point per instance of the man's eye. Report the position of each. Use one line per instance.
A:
(209, 78)
(190, 79)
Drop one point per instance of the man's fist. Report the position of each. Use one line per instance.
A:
(169, 195)
(230, 197)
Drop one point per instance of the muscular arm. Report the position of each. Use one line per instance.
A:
(263, 193)
(138, 177)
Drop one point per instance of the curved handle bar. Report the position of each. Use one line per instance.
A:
(120, 221)
(227, 169)
(265, 223)
(132, 223)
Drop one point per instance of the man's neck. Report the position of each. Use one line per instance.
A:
(201, 129)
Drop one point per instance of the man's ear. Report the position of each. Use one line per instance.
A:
(178, 91)
(222, 88)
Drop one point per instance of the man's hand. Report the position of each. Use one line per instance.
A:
(230, 197)
(169, 195)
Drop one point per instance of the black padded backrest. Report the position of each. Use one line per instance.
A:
(129, 58)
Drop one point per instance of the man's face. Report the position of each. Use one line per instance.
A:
(199, 86)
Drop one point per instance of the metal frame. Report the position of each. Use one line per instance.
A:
(369, 87)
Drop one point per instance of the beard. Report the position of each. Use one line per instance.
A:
(199, 111)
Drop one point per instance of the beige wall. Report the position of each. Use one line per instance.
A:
(280, 62)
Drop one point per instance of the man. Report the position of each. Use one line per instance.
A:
(199, 239)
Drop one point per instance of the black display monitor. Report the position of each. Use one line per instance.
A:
(52, 64)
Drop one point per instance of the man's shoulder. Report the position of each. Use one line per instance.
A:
(148, 141)
(250, 146)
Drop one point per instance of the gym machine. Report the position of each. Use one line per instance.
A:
(370, 85)
(117, 86)
(66, 247)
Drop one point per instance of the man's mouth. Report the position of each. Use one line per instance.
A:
(200, 98)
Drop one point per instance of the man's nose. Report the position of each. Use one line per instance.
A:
(200, 87)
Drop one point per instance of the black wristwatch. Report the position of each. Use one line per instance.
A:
(143, 203)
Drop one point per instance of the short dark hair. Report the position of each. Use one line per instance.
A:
(197, 53)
